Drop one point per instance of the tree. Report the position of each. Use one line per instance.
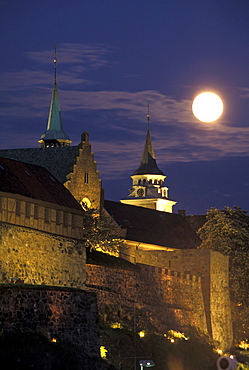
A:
(100, 232)
(227, 231)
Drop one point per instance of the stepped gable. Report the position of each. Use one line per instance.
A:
(153, 227)
(34, 182)
(58, 161)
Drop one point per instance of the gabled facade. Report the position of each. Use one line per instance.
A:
(73, 166)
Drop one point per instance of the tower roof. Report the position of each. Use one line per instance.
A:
(148, 163)
(55, 132)
(54, 126)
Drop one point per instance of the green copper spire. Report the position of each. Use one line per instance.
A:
(54, 136)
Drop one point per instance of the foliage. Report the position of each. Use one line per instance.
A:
(193, 354)
(100, 233)
(227, 231)
(243, 366)
(33, 350)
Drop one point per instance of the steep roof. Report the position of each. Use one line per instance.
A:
(58, 160)
(153, 227)
(148, 163)
(54, 126)
(34, 182)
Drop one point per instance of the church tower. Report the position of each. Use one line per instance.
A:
(148, 188)
(54, 136)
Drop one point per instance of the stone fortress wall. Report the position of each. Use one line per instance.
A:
(169, 290)
(35, 257)
(62, 314)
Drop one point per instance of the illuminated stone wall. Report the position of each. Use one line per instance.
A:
(68, 315)
(37, 257)
(191, 291)
(212, 268)
(162, 300)
(83, 181)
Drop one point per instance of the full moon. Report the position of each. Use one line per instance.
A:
(207, 107)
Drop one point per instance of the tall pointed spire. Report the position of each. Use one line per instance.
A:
(148, 163)
(54, 135)
(148, 188)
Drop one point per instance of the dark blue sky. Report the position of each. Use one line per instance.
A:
(115, 57)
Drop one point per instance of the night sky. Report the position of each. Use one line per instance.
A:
(114, 57)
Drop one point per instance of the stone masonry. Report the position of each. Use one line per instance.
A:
(67, 315)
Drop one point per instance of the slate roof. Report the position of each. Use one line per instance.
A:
(59, 161)
(148, 163)
(153, 227)
(34, 182)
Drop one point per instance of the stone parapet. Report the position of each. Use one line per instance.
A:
(65, 315)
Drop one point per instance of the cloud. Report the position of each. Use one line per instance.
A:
(116, 117)
(91, 56)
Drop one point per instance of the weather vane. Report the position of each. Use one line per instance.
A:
(148, 116)
(55, 60)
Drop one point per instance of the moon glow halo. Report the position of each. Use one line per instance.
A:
(207, 107)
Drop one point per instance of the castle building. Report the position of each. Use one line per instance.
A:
(40, 226)
(173, 283)
(148, 189)
(73, 166)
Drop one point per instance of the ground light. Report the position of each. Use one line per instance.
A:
(146, 363)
